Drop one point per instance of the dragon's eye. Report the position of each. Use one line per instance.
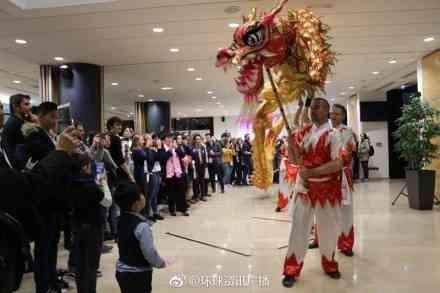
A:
(254, 37)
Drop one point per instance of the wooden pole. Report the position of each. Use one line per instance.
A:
(278, 99)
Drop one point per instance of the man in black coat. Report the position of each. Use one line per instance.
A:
(199, 157)
(38, 139)
(12, 137)
(45, 186)
(215, 162)
(246, 153)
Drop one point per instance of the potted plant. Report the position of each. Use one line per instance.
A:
(417, 127)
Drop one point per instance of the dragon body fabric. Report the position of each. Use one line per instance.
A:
(296, 51)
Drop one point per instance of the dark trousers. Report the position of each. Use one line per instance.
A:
(246, 172)
(216, 169)
(153, 191)
(364, 165)
(237, 173)
(175, 189)
(88, 245)
(200, 184)
(46, 252)
(135, 282)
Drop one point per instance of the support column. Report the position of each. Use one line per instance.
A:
(79, 86)
(428, 76)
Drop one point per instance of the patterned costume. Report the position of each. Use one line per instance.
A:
(346, 239)
(321, 144)
(287, 173)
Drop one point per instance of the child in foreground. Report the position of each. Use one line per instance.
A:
(137, 254)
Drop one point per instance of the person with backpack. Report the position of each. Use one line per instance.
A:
(365, 151)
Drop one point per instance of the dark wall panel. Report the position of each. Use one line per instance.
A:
(158, 117)
(396, 99)
(80, 85)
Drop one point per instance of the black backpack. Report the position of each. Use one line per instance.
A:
(371, 152)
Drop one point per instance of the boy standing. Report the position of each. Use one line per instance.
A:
(137, 254)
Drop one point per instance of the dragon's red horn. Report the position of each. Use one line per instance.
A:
(268, 18)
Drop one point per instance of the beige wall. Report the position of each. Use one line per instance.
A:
(429, 86)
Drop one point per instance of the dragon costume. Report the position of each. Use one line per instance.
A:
(295, 49)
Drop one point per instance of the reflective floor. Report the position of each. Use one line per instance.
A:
(397, 249)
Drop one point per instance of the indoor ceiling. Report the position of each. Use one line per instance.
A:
(119, 35)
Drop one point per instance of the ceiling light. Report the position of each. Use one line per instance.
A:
(174, 50)
(221, 106)
(131, 113)
(20, 41)
(64, 66)
(375, 72)
(218, 103)
(342, 93)
(150, 100)
(428, 39)
(351, 87)
(199, 78)
(392, 61)
(16, 81)
(158, 29)
(199, 110)
(166, 88)
(233, 25)
(190, 69)
(328, 81)
(113, 108)
(58, 58)
(210, 92)
(213, 97)
(141, 96)
(115, 83)
(333, 99)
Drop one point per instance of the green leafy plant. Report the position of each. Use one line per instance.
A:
(417, 127)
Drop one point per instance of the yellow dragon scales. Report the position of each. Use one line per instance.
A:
(296, 50)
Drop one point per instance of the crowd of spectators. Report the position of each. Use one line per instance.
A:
(89, 186)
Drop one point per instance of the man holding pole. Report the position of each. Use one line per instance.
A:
(316, 149)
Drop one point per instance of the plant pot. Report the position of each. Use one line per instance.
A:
(421, 189)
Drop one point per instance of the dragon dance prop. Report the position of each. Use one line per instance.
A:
(295, 53)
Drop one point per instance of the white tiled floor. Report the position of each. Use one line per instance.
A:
(397, 249)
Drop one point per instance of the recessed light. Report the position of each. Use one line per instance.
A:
(113, 108)
(428, 39)
(64, 66)
(218, 103)
(375, 72)
(150, 100)
(174, 50)
(58, 58)
(131, 113)
(199, 110)
(16, 81)
(221, 106)
(351, 87)
(392, 61)
(115, 83)
(158, 29)
(333, 99)
(233, 25)
(328, 81)
(213, 97)
(21, 41)
(342, 93)
(199, 78)
(210, 92)
(166, 88)
(190, 69)
(141, 96)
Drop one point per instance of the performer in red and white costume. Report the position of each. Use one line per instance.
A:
(338, 116)
(288, 171)
(317, 192)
